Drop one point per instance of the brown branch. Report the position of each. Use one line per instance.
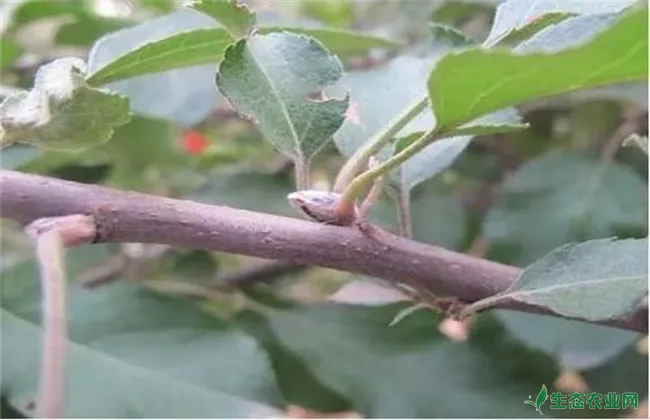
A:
(134, 217)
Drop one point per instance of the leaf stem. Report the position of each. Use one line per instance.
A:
(403, 203)
(50, 253)
(360, 158)
(301, 169)
(361, 182)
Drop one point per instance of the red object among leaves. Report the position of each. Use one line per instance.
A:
(194, 141)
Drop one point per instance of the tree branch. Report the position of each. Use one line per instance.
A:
(133, 217)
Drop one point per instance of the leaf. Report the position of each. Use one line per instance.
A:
(376, 100)
(153, 356)
(449, 34)
(436, 215)
(255, 191)
(183, 49)
(465, 85)
(272, 78)
(32, 10)
(86, 30)
(62, 111)
(571, 32)
(516, 18)
(16, 156)
(183, 95)
(574, 344)
(430, 161)
(338, 41)
(10, 51)
(579, 197)
(352, 350)
(236, 18)
(594, 280)
(527, 30)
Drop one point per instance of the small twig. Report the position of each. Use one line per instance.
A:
(403, 205)
(631, 123)
(638, 141)
(51, 235)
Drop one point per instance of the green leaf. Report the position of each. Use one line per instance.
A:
(87, 30)
(62, 111)
(527, 30)
(184, 49)
(353, 350)
(571, 32)
(576, 345)
(338, 14)
(10, 51)
(16, 156)
(255, 191)
(183, 95)
(277, 79)
(594, 280)
(516, 20)
(236, 18)
(375, 101)
(153, 356)
(32, 10)
(338, 41)
(164, 6)
(449, 34)
(474, 82)
(429, 162)
(579, 197)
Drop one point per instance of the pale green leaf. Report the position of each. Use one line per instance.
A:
(574, 344)
(579, 197)
(518, 19)
(277, 79)
(133, 353)
(183, 49)
(353, 350)
(338, 41)
(184, 95)
(62, 111)
(236, 18)
(16, 156)
(571, 32)
(595, 280)
(376, 100)
(432, 160)
(467, 84)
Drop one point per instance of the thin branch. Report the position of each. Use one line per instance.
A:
(51, 235)
(49, 250)
(133, 217)
(632, 120)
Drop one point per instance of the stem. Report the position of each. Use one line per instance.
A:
(301, 169)
(49, 249)
(360, 183)
(360, 158)
(403, 202)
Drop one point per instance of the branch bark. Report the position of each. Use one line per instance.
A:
(133, 217)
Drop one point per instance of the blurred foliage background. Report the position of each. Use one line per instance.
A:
(156, 332)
